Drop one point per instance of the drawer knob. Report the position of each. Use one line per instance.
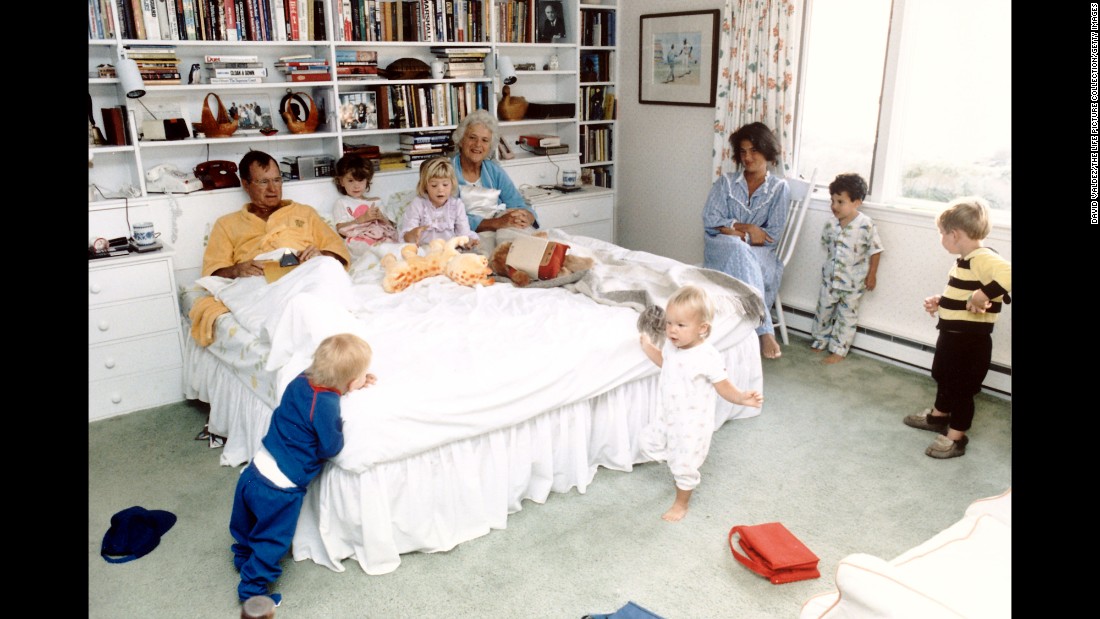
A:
(109, 363)
(95, 288)
(116, 397)
(576, 212)
(104, 325)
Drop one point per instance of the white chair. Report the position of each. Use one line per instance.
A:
(800, 201)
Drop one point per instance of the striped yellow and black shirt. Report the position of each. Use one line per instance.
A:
(982, 268)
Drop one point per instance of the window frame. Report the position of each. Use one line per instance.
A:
(885, 163)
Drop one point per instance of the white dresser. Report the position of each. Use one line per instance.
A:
(589, 211)
(135, 343)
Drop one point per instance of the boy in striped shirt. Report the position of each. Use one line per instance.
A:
(977, 286)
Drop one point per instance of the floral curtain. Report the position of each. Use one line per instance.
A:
(757, 64)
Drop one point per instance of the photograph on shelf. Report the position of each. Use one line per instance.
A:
(253, 111)
(358, 110)
(679, 56)
(551, 22)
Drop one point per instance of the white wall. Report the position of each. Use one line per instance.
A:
(664, 170)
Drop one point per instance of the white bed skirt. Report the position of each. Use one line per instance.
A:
(435, 500)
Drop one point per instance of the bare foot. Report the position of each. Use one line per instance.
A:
(769, 347)
(675, 513)
(833, 358)
(816, 349)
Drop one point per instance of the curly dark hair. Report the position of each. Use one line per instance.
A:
(762, 139)
(852, 183)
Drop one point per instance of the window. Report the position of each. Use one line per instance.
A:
(943, 128)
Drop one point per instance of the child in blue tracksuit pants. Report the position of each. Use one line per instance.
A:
(305, 430)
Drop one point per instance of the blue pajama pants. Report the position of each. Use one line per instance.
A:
(263, 522)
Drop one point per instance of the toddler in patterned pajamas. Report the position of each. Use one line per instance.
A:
(851, 267)
(692, 372)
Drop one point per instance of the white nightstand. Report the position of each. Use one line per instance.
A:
(589, 211)
(135, 343)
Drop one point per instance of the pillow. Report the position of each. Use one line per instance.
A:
(395, 205)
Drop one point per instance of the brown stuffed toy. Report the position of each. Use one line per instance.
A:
(554, 261)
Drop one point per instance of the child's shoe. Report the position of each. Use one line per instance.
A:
(944, 447)
(925, 421)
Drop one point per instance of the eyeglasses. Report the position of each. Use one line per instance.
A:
(263, 183)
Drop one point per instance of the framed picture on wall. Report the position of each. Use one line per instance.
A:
(679, 58)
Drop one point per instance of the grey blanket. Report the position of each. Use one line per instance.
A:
(639, 280)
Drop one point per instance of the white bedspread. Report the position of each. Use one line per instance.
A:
(486, 397)
(452, 361)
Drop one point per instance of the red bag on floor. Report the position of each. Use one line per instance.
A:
(774, 553)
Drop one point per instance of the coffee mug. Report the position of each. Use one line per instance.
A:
(144, 234)
(568, 178)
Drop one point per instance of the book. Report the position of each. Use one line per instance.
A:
(549, 150)
(362, 150)
(234, 65)
(114, 125)
(307, 77)
(540, 139)
(425, 137)
(358, 55)
(421, 156)
(232, 58)
(236, 80)
(253, 72)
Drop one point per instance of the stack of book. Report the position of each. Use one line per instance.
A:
(158, 64)
(356, 64)
(370, 152)
(542, 144)
(418, 147)
(234, 69)
(304, 68)
(393, 160)
(463, 62)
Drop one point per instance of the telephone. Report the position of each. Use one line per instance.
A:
(167, 178)
(217, 174)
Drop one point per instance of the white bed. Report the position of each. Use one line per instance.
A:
(486, 396)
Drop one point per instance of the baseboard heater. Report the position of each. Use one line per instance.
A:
(898, 349)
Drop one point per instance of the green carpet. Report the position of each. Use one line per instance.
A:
(829, 457)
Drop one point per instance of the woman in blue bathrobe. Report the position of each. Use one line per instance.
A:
(744, 218)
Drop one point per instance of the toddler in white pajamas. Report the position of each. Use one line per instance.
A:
(693, 374)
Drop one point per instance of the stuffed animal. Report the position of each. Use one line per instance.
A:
(553, 262)
(651, 323)
(469, 269)
(400, 275)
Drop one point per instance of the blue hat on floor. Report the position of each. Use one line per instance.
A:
(134, 533)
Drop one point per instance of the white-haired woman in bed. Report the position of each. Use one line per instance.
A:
(493, 203)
